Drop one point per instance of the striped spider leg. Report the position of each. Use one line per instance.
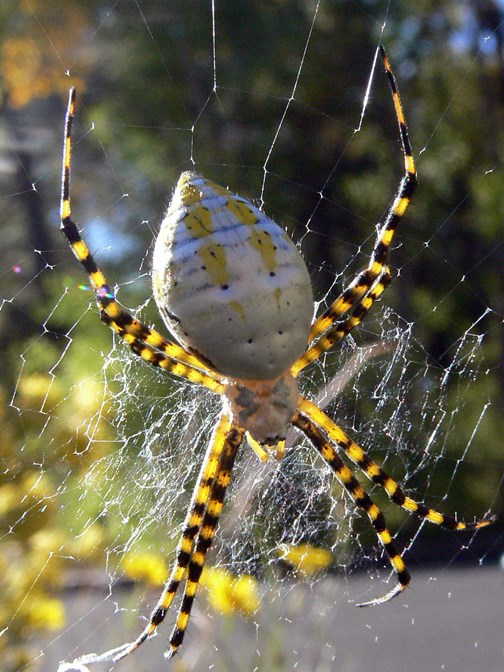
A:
(235, 292)
(326, 332)
(197, 536)
(152, 348)
(310, 420)
(373, 280)
(144, 341)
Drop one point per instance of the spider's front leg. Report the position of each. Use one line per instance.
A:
(360, 497)
(373, 280)
(376, 474)
(144, 341)
(197, 536)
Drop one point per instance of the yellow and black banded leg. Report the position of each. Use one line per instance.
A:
(192, 526)
(341, 329)
(361, 499)
(132, 330)
(205, 536)
(376, 474)
(162, 361)
(367, 278)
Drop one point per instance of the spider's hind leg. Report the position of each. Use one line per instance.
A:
(202, 498)
(376, 474)
(360, 497)
(206, 534)
(341, 329)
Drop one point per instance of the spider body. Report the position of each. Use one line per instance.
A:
(230, 283)
(263, 408)
(234, 289)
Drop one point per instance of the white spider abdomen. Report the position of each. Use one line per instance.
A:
(230, 283)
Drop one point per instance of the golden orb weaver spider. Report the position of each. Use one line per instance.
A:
(234, 289)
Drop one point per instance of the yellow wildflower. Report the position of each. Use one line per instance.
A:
(304, 558)
(149, 567)
(230, 594)
(45, 613)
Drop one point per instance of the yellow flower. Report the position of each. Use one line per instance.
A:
(37, 485)
(45, 613)
(89, 542)
(9, 497)
(37, 389)
(148, 567)
(306, 559)
(47, 541)
(230, 594)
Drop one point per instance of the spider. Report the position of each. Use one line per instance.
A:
(234, 290)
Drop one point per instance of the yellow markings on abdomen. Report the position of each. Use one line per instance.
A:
(238, 308)
(262, 243)
(213, 257)
(230, 283)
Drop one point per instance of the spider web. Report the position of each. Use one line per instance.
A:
(282, 102)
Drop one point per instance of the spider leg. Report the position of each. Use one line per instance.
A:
(206, 534)
(139, 336)
(344, 327)
(376, 474)
(162, 361)
(369, 276)
(192, 525)
(360, 497)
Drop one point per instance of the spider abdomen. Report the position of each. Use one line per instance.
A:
(230, 283)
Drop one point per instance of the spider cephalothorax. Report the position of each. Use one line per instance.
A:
(264, 408)
(234, 289)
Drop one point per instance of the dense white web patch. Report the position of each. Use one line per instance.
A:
(129, 441)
